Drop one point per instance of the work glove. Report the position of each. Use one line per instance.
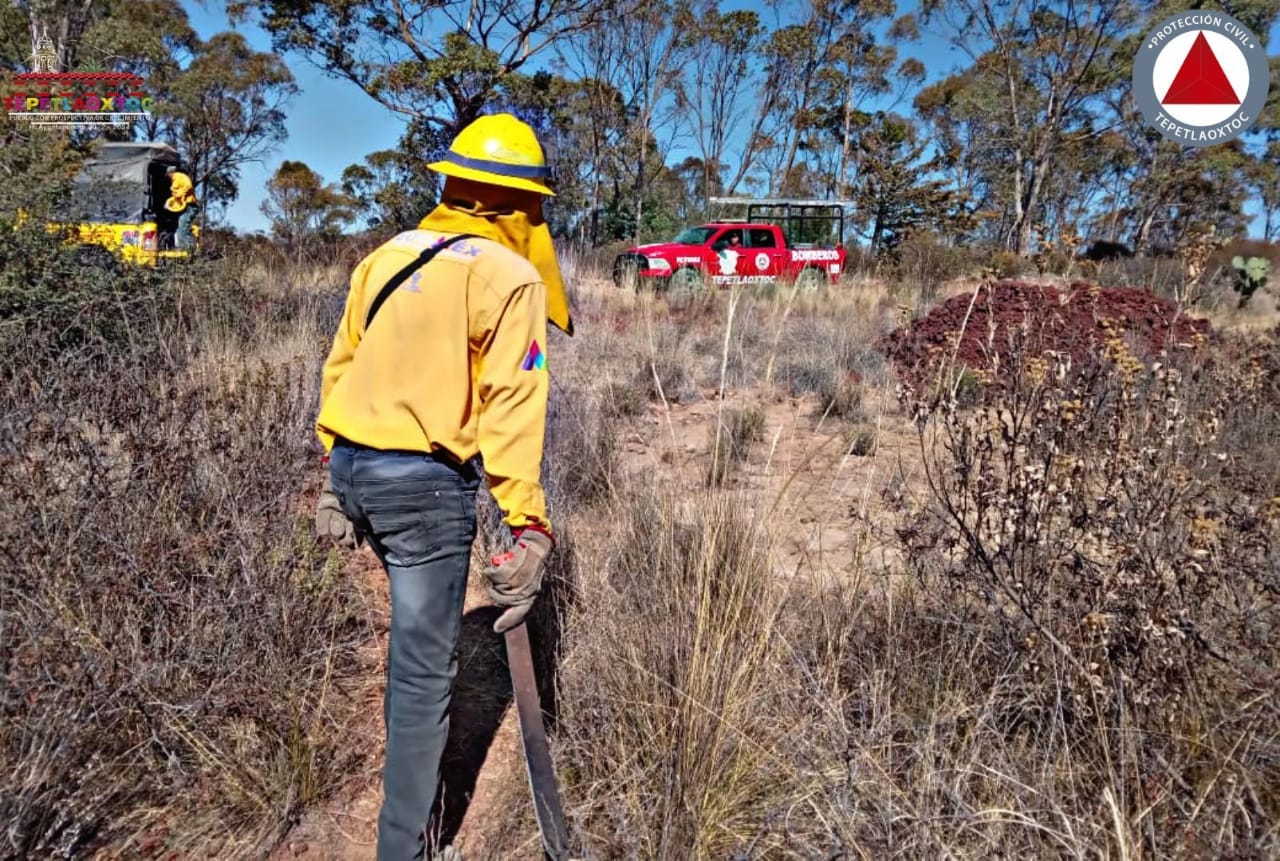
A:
(331, 520)
(515, 577)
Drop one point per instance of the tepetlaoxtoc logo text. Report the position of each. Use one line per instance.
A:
(78, 99)
(1201, 78)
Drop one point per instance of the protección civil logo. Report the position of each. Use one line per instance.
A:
(1201, 78)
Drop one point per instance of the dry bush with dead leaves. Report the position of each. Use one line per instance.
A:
(176, 646)
(1093, 536)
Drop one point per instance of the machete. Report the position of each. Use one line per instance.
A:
(537, 754)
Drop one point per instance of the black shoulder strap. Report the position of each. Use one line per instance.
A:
(399, 278)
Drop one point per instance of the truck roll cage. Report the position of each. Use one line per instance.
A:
(792, 214)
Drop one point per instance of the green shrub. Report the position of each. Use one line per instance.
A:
(923, 261)
(61, 298)
(1251, 276)
(1058, 262)
(1007, 264)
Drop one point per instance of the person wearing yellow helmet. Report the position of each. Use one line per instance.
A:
(437, 377)
(182, 203)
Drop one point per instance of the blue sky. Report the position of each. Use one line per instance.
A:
(332, 123)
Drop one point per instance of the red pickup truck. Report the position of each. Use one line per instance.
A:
(725, 254)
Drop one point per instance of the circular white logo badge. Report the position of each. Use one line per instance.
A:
(762, 260)
(1201, 78)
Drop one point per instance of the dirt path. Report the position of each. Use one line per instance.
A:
(483, 766)
(828, 502)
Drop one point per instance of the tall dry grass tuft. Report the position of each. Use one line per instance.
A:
(670, 671)
(731, 438)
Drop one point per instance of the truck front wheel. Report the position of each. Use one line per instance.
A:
(686, 280)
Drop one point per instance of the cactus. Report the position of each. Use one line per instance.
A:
(1251, 275)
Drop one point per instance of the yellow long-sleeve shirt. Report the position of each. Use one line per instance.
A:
(454, 360)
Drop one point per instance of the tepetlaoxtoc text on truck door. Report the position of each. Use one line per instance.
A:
(731, 253)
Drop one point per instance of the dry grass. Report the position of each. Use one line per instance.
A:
(731, 439)
(1066, 648)
(1053, 669)
(177, 650)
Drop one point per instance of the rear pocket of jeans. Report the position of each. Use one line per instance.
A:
(412, 529)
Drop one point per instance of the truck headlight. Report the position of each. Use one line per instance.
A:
(659, 264)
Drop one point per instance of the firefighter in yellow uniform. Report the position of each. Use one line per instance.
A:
(181, 202)
(437, 377)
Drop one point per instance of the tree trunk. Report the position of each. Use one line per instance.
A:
(1150, 204)
(595, 189)
(1142, 238)
(1022, 227)
(843, 175)
(1269, 221)
(1030, 207)
(1114, 229)
(1018, 182)
(639, 191)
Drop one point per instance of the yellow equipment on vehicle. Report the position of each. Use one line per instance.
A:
(118, 204)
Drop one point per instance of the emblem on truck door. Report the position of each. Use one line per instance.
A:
(728, 262)
(762, 260)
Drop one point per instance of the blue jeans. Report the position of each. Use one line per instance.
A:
(182, 236)
(419, 514)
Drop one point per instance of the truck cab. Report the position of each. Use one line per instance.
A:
(729, 253)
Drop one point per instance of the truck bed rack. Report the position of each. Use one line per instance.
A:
(795, 212)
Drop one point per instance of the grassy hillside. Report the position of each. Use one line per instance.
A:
(801, 611)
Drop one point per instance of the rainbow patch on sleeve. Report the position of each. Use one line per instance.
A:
(535, 359)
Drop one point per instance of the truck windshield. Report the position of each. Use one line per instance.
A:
(693, 235)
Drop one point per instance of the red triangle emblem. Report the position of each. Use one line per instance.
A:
(1201, 80)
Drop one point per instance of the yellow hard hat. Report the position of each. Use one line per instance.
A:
(498, 149)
